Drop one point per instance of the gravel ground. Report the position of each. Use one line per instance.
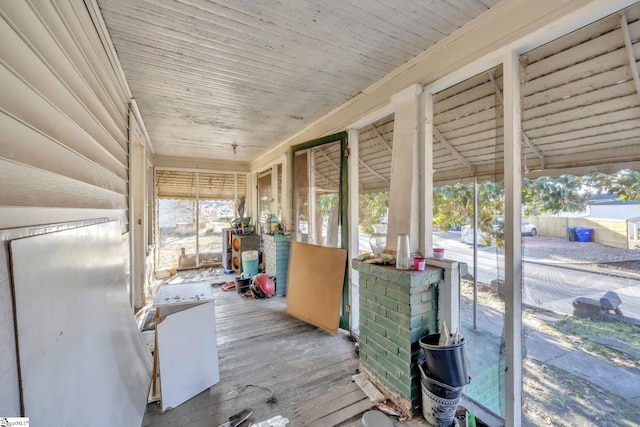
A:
(561, 250)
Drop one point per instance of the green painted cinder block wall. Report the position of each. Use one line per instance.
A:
(276, 249)
(397, 308)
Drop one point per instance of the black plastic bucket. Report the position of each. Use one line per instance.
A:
(436, 387)
(447, 363)
(242, 284)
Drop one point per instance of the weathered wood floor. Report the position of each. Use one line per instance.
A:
(270, 363)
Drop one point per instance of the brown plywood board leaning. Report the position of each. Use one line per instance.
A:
(314, 291)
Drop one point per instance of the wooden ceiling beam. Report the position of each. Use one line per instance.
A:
(384, 141)
(370, 169)
(525, 138)
(453, 150)
(624, 26)
(331, 162)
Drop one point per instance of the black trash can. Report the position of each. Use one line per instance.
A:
(571, 234)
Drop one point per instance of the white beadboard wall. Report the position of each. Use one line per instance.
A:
(64, 140)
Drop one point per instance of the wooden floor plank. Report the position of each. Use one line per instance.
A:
(333, 405)
(343, 415)
(326, 398)
(263, 351)
(259, 344)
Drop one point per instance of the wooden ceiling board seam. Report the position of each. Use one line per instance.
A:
(550, 86)
(588, 99)
(464, 125)
(459, 100)
(473, 8)
(572, 39)
(595, 65)
(243, 35)
(587, 87)
(473, 107)
(407, 74)
(353, 31)
(223, 54)
(204, 67)
(597, 157)
(470, 126)
(287, 30)
(582, 137)
(581, 52)
(598, 114)
(457, 89)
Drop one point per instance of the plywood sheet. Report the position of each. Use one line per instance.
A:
(187, 353)
(314, 291)
(82, 359)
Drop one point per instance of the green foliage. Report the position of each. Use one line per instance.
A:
(326, 203)
(626, 185)
(373, 207)
(453, 204)
(554, 195)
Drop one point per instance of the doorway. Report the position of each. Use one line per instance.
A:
(319, 176)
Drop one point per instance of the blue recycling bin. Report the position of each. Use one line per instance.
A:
(584, 234)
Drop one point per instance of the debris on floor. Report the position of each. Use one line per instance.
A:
(277, 421)
(369, 389)
(388, 409)
(236, 419)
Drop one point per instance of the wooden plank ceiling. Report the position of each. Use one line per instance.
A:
(209, 75)
(581, 112)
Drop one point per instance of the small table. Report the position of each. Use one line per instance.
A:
(186, 352)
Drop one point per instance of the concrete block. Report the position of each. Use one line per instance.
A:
(387, 324)
(389, 303)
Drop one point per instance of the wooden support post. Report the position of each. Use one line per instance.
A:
(404, 191)
(513, 249)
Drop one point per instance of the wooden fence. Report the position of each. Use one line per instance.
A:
(610, 232)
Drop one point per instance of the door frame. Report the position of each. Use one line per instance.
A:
(343, 201)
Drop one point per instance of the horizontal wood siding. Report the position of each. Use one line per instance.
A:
(64, 119)
(64, 139)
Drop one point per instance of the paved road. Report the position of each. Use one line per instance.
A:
(549, 285)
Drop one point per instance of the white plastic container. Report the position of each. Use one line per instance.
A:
(403, 253)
